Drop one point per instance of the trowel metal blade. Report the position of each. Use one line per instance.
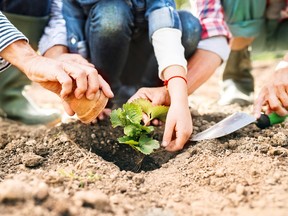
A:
(227, 126)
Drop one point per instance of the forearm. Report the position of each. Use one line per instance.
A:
(200, 68)
(177, 86)
(18, 54)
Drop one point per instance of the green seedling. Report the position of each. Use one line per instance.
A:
(83, 179)
(137, 134)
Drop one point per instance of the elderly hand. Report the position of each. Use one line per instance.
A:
(45, 70)
(274, 94)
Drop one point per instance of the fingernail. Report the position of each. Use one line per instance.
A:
(164, 144)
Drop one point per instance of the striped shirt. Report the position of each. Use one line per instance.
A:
(8, 35)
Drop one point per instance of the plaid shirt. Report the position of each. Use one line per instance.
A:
(211, 16)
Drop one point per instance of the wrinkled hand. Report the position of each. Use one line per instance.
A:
(274, 94)
(72, 58)
(88, 81)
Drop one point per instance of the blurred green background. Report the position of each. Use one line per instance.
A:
(182, 3)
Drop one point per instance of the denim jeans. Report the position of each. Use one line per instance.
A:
(37, 8)
(115, 38)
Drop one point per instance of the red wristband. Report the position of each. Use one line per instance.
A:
(166, 81)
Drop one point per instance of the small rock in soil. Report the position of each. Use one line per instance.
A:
(32, 160)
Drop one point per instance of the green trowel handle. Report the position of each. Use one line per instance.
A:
(268, 120)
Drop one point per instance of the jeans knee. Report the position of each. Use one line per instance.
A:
(110, 20)
(191, 32)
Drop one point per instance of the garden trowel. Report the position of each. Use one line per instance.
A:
(236, 121)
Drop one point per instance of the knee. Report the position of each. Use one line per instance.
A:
(110, 20)
(191, 31)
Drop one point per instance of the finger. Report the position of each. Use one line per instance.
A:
(179, 142)
(105, 87)
(258, 104)
(145, 119)
(67, 108)
(277, 109)
(93, 84)
(282, 96)
(66, 84)
(79, 75)
(275, 104)
(168, 133)
(183, 133)
(104, 114)
(156, 122)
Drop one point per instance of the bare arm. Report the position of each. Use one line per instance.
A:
(200, 68)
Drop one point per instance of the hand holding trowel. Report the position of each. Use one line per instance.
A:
(236, 121)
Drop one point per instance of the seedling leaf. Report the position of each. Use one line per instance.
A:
(117, 118)
(127, 140)
(133, 112)
(138, 135)
(159, 112)
(147, 145)
(145, 105)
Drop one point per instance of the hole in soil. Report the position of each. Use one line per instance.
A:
(101, 139)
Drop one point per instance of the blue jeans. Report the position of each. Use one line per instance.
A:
(119, 46)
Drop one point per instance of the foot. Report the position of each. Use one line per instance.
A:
(233, 92)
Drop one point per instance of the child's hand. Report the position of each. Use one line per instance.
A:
(157, 95)
(178, 127)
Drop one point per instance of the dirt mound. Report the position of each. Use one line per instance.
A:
(77, 169)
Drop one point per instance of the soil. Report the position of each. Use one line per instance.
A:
(77, 169)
